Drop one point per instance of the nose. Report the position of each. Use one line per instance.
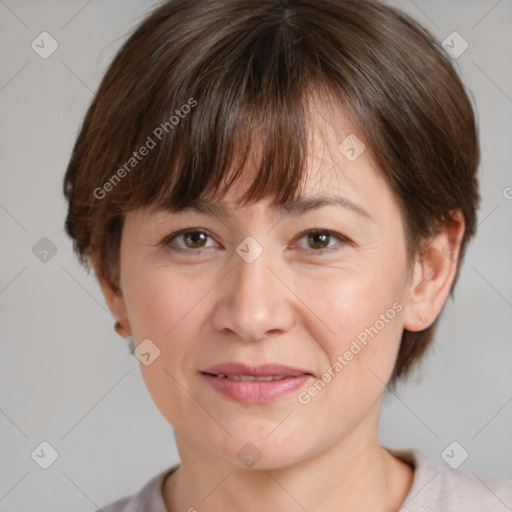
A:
(255, 302)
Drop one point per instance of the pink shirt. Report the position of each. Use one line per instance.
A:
(434, 488)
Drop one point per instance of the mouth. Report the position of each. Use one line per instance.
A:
(247, 378)
(255, 384)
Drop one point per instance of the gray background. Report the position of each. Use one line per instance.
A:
(68, 379)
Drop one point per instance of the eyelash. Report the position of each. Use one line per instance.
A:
(166, 242)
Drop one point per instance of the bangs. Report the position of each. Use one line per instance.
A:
(252, 114)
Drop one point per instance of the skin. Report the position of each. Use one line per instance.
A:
(291, 306)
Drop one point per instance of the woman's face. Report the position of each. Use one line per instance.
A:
(254, 288)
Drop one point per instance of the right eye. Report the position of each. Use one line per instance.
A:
(193, 240)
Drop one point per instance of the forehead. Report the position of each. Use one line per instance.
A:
(355, 189)
(340, 172)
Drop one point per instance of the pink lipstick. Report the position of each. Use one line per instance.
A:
(255, 384)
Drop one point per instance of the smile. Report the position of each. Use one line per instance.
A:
(264, 378)
(255, 384)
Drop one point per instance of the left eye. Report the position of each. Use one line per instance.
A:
(317, 239)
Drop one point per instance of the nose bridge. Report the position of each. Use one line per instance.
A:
(255, 302)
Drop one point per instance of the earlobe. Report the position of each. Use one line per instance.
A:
(113, 297)
(434, 273)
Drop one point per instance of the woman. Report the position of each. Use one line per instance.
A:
(276, 198)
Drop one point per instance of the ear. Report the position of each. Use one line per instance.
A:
(433, 275)
(113, 297)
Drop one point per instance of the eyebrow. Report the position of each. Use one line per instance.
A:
(294, 207)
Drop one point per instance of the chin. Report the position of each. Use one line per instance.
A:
(262, 448)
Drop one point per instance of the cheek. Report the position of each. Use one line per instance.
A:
(363, 319)
(159, 303)
(366, 320)
(162, 306)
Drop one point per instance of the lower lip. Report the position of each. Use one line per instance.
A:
(255, 392)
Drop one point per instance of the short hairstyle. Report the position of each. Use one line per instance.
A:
(177, 112)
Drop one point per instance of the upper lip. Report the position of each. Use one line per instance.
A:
(273, 370)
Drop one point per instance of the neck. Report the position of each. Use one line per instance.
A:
(356, 474)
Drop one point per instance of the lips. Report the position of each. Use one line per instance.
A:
(248, 378)
(255, 384)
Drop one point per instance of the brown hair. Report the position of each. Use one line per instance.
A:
(199, 78)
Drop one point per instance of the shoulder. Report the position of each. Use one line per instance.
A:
(148, 497)
(442, 488)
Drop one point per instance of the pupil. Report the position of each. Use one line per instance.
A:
(321, 236)
(193, 236)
